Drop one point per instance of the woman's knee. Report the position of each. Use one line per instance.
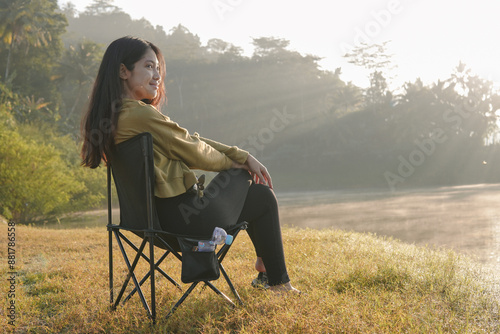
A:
(264, 195)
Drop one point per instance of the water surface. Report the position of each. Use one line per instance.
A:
(463, 218)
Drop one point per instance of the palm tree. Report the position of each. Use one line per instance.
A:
(80, 64)
(27, 23)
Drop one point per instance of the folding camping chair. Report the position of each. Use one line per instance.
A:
(132, 169)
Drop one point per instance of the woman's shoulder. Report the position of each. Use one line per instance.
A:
(133, 105)
(139, 108)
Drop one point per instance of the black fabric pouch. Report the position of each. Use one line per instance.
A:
(197, 266)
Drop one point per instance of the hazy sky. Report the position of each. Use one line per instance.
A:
(428, 37)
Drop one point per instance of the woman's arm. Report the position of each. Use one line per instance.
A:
(232, 152)
(256, 168)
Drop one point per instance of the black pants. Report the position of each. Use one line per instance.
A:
(230, 198)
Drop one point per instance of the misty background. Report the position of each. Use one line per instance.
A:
(312, 129)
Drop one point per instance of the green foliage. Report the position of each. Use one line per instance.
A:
(33, 177)
(90, 185)
(40, 173)
(30, 44)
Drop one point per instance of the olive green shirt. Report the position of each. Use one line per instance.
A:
(175, 151)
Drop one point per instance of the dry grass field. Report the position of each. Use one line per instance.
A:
(354, 282)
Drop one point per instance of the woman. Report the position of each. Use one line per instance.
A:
(127, 92)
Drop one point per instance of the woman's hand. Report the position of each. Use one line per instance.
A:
(258, 171)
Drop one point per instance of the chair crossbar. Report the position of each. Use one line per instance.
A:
(157, 264)
(166, 245)
(148, 274)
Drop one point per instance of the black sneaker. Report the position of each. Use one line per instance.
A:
(261, 281)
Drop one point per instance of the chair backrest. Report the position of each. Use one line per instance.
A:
(132, 167)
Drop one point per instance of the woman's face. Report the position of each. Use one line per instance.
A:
(144, 80)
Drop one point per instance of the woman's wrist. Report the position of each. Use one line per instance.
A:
(236, 164)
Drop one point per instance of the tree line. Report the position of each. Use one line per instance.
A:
(311, 128)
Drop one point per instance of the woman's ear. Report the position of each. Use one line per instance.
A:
(124, 72)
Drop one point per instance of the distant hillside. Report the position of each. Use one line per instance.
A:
(312, 129)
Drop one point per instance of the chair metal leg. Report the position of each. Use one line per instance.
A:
(110, 252)
(131, 274)
(230, 284)
(152, 278)
(220, 293)
(181, 300)
(188, 292)
(110, 233)
(220, 256)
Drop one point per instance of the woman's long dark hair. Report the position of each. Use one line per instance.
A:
(99, 122)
